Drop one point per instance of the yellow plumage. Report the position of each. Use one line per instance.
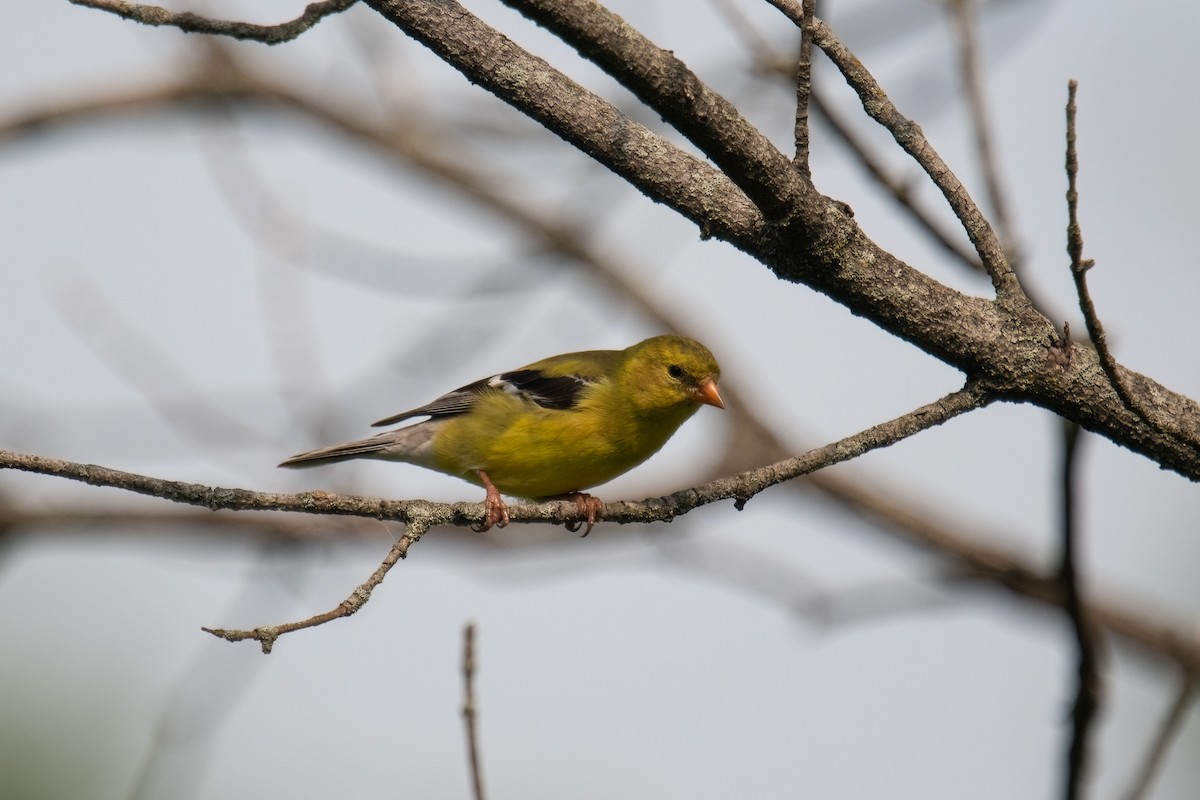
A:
(554, 427)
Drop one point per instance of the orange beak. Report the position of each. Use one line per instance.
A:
(707, 393)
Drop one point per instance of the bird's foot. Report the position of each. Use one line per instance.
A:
(589, 505)
(495, 511)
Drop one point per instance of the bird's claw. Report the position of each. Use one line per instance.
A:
(492, 515)
(495, 512)
(589, 505)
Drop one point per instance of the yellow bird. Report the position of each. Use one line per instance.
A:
(552, 428)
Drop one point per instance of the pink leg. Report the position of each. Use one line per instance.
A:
(495, 512)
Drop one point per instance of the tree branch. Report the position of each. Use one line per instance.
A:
(912, 139)
(1079, 270)
(420, 515)
(267, 634)
(810, 97)
(194, 23)
(1087, 691)
(804, 89)
(659, 169)
(740, 487)
(469, 710)
(900, 189)
(963, 12)
(665, 84)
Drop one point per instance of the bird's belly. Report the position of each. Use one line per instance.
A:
(541, 460)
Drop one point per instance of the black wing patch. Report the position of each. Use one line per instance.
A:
(558, 392)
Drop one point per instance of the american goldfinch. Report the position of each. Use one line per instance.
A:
(552, 428)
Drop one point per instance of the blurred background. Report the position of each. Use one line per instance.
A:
(196, 288)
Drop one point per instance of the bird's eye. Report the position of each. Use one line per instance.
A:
(675, 371)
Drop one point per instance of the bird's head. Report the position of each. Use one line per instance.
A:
(672, 373)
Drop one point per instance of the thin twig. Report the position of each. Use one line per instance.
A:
(1079, 270)
(910, 137)
(194, 23)
(1189, 690)
(899, 189)
(469, 710)
(964, 18)
(267, 634)
(1080, 266)
(1087, 692)
(803, 91)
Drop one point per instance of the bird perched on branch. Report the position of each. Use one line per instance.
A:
(552, 428)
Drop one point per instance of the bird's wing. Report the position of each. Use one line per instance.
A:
(532, 385)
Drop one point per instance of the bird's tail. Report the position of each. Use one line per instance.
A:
(412, 445)
(364, 448)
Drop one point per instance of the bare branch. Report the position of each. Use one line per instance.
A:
(803, 93)
(664, 172)
(740, 487)
(899, 189)
(1088, 687)
(798, 72)
(1079, 270)
(469, 711)
(194, 23)
(663, 82)
(910, 137)
(964, 18)
(1005, 342)
(420, 515)
(976, 553)
(809, 96)
(267, 634)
